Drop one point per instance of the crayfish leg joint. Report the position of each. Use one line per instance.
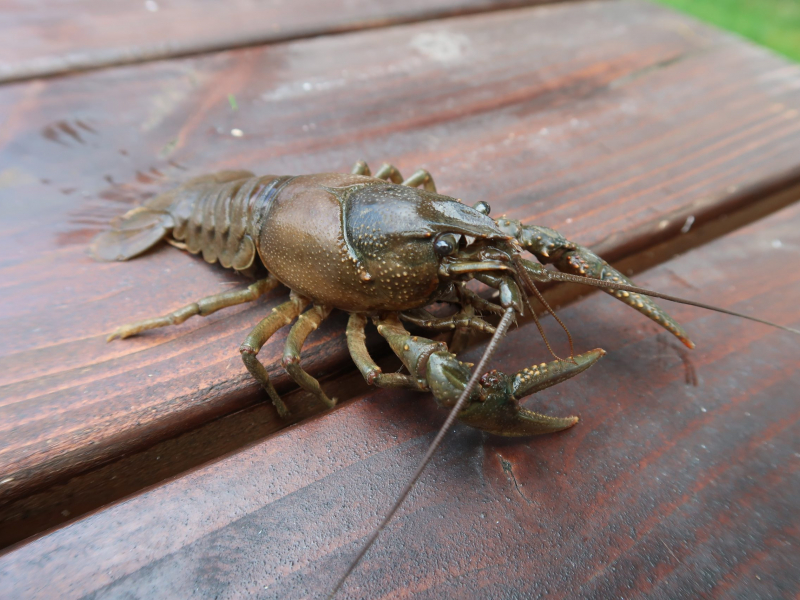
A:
(289, 360)
(372, 375)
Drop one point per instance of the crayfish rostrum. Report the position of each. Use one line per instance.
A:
(380, 248)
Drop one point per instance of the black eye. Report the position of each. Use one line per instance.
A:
(482, 207)
(445, 244)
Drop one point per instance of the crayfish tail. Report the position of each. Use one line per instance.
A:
(210, 202)
(134, 232)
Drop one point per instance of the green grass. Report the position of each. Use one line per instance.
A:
(771, 23)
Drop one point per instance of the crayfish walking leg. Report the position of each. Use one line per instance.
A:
(390, 173)
(306, 323)
(369, 369)
(280, 316)
(203, 307)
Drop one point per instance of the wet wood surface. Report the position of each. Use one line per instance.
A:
(680, 480)
(614, 122)
(625, 127)
(46, 38)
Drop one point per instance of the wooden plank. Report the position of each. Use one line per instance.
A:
(605, 117)
(48, 38)
(681, 480)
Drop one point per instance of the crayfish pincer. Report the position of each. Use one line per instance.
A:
(381, 248)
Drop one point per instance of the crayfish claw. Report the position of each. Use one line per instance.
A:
(494, 404)
(539, 377)
(447, 377)
(501, 414)
(550, 247)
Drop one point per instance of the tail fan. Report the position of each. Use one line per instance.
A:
(143, 227)
(133, 233)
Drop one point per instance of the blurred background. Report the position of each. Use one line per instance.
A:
(49, 37)
(772, 23)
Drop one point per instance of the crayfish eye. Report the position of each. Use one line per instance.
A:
(482, 207)
(445, 244)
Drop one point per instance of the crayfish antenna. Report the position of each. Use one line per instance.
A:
(556, 276)
(501, 330)
(529, 285)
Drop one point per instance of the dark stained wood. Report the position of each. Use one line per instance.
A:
(602, 118)
(46, 38)
(681, 480)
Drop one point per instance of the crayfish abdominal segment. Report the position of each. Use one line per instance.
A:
(381, 248)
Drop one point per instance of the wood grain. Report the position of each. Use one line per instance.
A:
(680, 481)
(602, 118)
(39, 39)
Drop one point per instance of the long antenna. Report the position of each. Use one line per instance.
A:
(529, 284)
(501, 330)
(556, 276)
(536, 319)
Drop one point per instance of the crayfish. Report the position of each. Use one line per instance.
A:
(379, 248)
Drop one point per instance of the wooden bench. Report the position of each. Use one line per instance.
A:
(632, 129)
